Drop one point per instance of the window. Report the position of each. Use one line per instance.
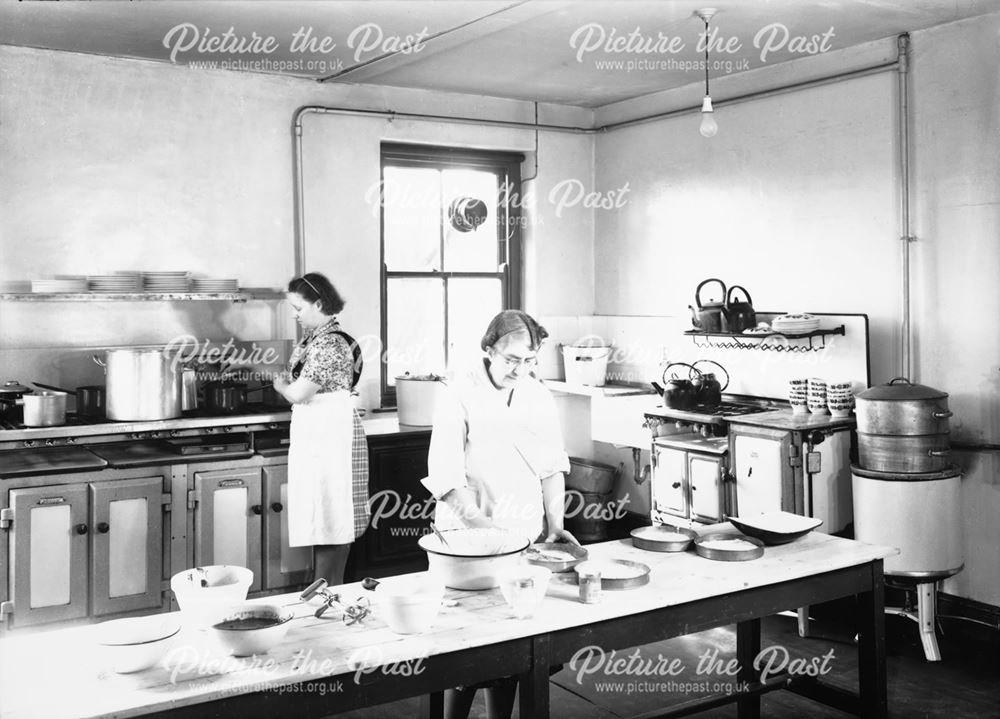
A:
(451, 254)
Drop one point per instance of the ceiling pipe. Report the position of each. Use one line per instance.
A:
(297, 190)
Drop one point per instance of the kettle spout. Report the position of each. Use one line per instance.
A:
(694, 318)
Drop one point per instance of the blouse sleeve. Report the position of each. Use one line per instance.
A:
(446, 456)
(329, 363)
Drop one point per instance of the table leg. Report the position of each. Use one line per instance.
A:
(871, 647)
(432, 705)
(747, 649)
(533, 685)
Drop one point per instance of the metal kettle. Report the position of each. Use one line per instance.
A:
(708, 390)
(738, 316)
(679, 393)
(707, 316)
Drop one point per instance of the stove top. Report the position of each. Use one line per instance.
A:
(703, 414)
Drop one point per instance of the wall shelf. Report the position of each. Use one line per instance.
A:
(244, 295)
(769, 342)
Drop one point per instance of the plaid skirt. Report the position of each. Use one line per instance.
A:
(359, 477)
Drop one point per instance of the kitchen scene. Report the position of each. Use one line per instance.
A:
(542, 358)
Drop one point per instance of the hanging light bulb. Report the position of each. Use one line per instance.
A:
(708, 126)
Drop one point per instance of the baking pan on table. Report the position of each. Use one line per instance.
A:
(50, 460)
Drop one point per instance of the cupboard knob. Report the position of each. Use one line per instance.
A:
(256, 509)
(676, 485)
(277, 507)
(81, 529)
(103, 527)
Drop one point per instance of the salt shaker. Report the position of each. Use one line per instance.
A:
(590, 586)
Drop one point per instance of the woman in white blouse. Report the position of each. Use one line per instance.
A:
(497, 460)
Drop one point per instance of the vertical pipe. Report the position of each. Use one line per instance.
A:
(906, 340)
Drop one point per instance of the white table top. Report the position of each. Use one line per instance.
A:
(59, 674)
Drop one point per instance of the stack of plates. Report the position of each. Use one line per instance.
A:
(66, 283)
(795, 324)
(165, 281)
(214, 285)
(118, 282)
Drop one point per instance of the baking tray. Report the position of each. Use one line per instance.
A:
(641, 573)
(578, 552)
(657, 538)
(728, 555)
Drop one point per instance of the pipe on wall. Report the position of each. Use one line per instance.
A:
(900, 64)
(903, 72)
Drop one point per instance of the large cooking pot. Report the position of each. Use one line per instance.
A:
(142, 384)
(10, 409)
(902, 407)
(903, 453)
(227, 396)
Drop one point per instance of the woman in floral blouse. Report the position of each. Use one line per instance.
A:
(328, 455)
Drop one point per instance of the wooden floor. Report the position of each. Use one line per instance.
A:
(964, 685)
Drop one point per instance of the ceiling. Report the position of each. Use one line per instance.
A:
(557, 51)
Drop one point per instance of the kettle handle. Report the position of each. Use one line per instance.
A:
(697, 292)
(679, 364)
(894, 380)
(724, 371)
(729, 295)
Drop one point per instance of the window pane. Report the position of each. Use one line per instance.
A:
(415, 326)
(412, 216)
(471, 305)
(472, 250)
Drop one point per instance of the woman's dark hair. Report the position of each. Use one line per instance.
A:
(510, 321)
(314, 286)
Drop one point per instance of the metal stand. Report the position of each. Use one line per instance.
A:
(924, 616)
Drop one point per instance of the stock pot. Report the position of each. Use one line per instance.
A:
(142, 383)
(902, 407)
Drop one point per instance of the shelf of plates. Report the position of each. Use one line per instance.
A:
(765, 341)
(244, 295)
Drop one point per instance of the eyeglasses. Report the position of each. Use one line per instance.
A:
(517, 361)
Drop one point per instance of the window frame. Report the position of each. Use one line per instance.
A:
(507, 165)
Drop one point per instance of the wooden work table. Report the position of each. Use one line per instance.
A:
(325, 666)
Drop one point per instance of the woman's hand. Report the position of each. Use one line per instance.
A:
(561, 535)
(280, 383)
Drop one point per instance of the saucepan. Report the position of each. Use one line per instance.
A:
(89, 398)
(228, 396)
(41, 409)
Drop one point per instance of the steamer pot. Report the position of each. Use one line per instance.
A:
(10, 409)
(902, 408)
(142, 384)
(903, 453)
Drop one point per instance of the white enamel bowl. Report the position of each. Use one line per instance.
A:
(472, 558)
(136, 643)
(410, 604)
(205, 593)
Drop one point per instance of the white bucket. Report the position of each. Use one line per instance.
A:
(416, 398)
(586, 365)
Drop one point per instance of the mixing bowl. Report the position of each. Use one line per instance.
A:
(204, 593)
(472, 558)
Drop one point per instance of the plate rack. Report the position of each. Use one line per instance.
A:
(769, 342)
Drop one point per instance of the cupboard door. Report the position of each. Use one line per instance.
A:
(48, 554)
(227, 520)
(126, 555)
(762, 471)
(669, 482)
(704, 476)
(284, 566)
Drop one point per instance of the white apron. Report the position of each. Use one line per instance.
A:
(320, 504)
